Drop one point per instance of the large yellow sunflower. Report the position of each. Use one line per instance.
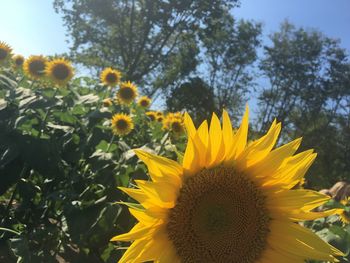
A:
(226, 202)
(60, 71)
(5, 51)
(127, 92)
(110, 77)
(35, 66)
(122, 124)
(18, 61)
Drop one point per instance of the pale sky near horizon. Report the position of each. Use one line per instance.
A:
(32, 26)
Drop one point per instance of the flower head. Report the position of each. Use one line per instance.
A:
(127, 93)
(174, 122)
(107, 102)
(144, 102)
(226, 201)
(18, 61)
(151, 115)
(35, 66)
(110, 77)
(5, 51)
(122, 124)
(60, 71)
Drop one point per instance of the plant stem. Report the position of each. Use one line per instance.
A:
(14, 192)
(110, 143)
(42, 126)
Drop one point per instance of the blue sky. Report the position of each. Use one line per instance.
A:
(330, 17)
(32, 26)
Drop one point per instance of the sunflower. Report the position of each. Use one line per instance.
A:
(110, 77)
(107, 102)
(159, 116)
(226, 202)
(18, 61)
(60, 71)
(35, 66)
(5, 51)
(122, 124)
(152, 115)
(126, 93)
(144, 102)
(174, 122)
(345, 216)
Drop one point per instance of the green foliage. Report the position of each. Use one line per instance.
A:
(60, 167)
(308, 91)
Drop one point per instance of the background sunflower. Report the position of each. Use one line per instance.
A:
(122, 124)
(60, 71)
(35, 66)
(126, 93)
(110, 77)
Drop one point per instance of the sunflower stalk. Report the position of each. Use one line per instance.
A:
(43, 123)
(14, 192)
(110, 143)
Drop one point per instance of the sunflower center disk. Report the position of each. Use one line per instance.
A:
(3, 54)
(219, 216)
(122, 125)
(126, 93)
(176, 127)
(111, 78)
(61, 72)
(37, 68)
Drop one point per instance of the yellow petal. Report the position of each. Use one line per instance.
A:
(299, 241)
(215, 138)
(260, 148)
(161, 193)
(139, 231)
(139, 196)
(160, 168)
(293, 171)
(190, 128)
(296, 200)
(227, 132)
(190, 160)
(269, 165)
(239, 139)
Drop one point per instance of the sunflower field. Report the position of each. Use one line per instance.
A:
(92, 171)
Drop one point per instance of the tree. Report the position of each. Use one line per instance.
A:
(194, 96)
(309, 79)
(228, 52)
(164, 44)
(146, 39)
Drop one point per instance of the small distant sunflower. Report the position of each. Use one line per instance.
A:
(152, 115)
(5, 51)
(60, 71)
(127, 92)
(144, 102)
(226, 201)
(107, 102)
(35, 66)
(345, 216)
(18, 61)
(110, 77)
(174, 122)
(122, 124)
(160, 117)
